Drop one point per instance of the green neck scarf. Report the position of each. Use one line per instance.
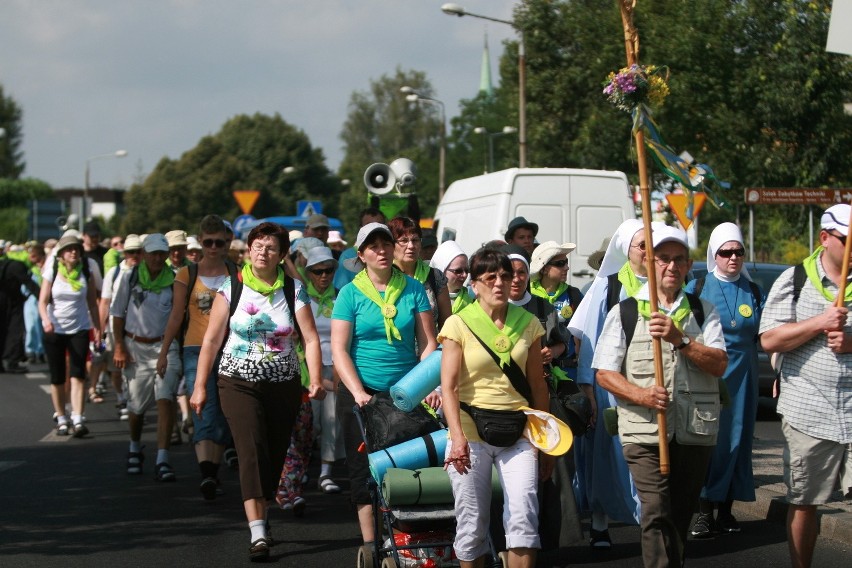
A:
(810, 265)
(677, 316)
(73, 275)
(501, 341)
(164, 279)
(536, 289)
(259, 286)
(421, 271)
(461, 301)
(393, 291)
(629, 281)
(325, 300)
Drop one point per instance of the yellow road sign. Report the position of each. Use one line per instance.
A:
(246, 199)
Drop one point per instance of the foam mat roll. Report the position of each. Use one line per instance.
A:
(418, 382)
(425, 451)
(427, 486)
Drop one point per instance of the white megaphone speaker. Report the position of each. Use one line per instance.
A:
(379, 179)
(69, 222)
(405, 171)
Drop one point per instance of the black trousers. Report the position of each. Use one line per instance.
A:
(12, 329)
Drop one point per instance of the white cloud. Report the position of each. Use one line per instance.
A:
(153, 77)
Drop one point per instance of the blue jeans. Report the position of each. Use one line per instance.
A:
(211, 425)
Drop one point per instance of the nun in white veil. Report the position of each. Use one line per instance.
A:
(739, 302)
(604, 484)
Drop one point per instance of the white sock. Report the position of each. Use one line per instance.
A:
(258, 529)
(76, 419)
(135, 447)
(162, 455)
(325, 469)
(599, 522)
(62, 419)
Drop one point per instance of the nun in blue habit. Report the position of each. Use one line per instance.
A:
(739, 302)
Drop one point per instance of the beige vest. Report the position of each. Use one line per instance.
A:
(693, 414)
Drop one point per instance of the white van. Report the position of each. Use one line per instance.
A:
(569, 205)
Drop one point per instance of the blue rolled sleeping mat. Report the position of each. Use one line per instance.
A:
(427, 486)
(418, 382)
(425, 451)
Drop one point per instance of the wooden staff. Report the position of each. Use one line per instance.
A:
(631, 45)
(840, 300)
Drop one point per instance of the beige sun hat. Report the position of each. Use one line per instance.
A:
(546, 251)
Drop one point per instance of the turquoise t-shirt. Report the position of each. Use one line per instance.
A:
(380, 364)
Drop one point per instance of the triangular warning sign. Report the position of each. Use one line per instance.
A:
(246, 199)
(679, 203)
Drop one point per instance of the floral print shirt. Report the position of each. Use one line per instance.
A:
(260, 339)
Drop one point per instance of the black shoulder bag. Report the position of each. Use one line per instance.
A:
(501, 428)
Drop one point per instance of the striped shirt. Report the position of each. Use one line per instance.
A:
(816, 383)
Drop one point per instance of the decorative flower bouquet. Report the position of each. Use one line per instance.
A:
(637, 85)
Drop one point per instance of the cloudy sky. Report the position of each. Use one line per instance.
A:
(154, 76)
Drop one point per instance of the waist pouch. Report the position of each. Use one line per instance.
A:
(500, 428)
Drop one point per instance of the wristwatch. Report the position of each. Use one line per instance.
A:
(685, 340)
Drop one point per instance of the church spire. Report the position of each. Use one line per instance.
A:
(485, 85)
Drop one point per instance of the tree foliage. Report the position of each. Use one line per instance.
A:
(11, 157)
(248, 153)
(14, 195)
(382, 125)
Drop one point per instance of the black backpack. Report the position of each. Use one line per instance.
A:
(629, 311)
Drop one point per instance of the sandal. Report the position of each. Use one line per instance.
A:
(259, 550)
(95, 397)
(62, 429)
(327, 485)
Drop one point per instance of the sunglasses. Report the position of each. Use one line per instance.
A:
(840, 238)
(728, 253)
(559, 263)
(491, 279)
(322, 271)
(458, 271)
(213, 243)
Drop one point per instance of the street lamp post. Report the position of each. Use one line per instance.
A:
(413, 96)
(491, 136)
(453, 9)
(83, 209)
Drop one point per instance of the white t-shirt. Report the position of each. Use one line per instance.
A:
(69, 310)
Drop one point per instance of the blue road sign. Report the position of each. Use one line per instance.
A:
(242, 222)
(308, 208)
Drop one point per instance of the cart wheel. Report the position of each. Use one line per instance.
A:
(365, 557)
(389, 562)
(504, 559)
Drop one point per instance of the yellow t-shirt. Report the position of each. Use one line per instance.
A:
(481, 383)
(200, 302)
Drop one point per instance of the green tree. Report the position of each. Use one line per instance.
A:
(14, 196)
(382, 126)
(11, 158)
(248, 153)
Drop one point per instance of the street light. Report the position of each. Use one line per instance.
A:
(83, 211)
(453, 9)
(491, 136)
(413, 96)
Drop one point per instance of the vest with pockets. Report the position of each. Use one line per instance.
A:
(693, 416)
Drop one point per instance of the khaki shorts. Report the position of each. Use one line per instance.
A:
(144, 385)
(811, 467)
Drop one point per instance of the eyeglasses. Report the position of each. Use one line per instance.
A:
(840, 238)
(640, 246)
(458, 271)
(558, 263)
(322, 271)
(728, 253)
(491, 279)
(211, 243)
(412, 241)
(664, 261)
(262, 249)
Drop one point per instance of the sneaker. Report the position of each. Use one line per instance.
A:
(600, 539)
(259, 550)
(727, 524)
(704, 526)
(208, 488)
(122, 410)
(299, 506)
(80, 430)
(134, 463)
(164, 472)
(230, 457)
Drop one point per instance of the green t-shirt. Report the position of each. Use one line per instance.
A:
(380, 364)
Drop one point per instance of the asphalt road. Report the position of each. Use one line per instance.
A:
(68, 503)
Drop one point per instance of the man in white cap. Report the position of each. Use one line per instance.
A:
(694, 357)
(801, 321)
(140, 312)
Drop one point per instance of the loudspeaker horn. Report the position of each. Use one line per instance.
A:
(379, 179)
(405, 171)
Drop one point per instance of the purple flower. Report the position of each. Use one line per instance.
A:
(251, 309)
(283, 331)
(275, 344)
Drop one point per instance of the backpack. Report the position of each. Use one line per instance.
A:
(630, 314)
(237, 290)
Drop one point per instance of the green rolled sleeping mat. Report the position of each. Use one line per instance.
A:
(427, 486)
